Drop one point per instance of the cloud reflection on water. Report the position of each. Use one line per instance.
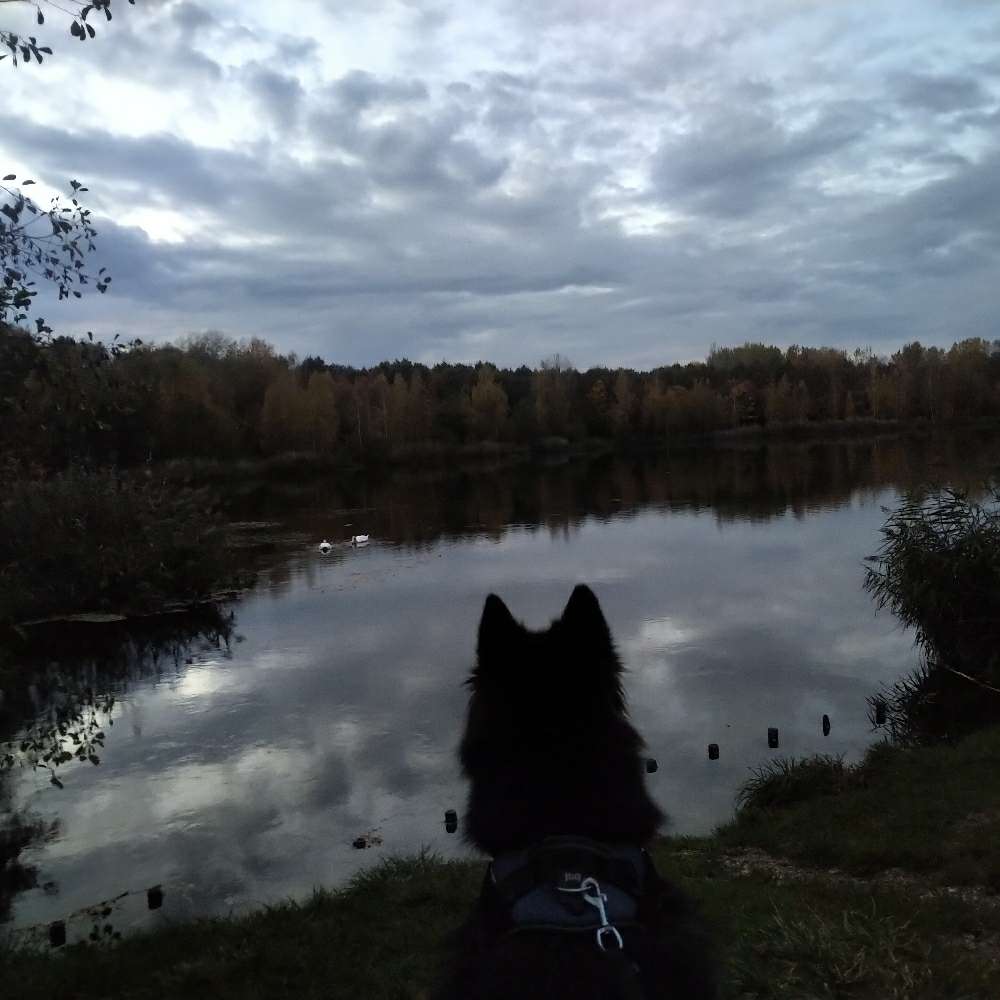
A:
(245, 778)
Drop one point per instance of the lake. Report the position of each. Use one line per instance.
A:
(246, 756)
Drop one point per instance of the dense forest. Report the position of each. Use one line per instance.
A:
(65, 401)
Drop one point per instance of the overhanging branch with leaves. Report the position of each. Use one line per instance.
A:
(25, 48)
(48, 245)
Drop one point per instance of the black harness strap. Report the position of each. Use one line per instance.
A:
(579, 886)
(550, 865)
(627, 983)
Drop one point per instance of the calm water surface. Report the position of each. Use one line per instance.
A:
(240, 769)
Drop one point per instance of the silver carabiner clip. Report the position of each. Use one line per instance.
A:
(597, 900)
(609, 929)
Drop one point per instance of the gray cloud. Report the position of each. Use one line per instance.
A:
(428, 153)
(192, 17)
(359, 90)
(741, 155)
(941, 93)
(160, 163)
(280, 95)
(408, 179)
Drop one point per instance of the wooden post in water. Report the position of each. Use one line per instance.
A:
(450, 820)
(57, 933)
(713, 751)
(651, 765)
(880, 711)
(772, 737)
(826, 725)
(154, 897)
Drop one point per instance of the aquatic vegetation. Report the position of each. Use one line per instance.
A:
(938, 571)
(87, 541)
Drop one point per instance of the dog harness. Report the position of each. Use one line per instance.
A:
(578, 886)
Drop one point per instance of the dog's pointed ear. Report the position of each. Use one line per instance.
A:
(584, 618)
(495, 627)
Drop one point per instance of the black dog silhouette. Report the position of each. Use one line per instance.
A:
(571, 906)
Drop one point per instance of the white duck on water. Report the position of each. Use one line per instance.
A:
(359, 539)
(325, 546)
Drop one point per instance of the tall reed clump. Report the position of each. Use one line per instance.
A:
(785, 781)
(938, 571)
(91, 541)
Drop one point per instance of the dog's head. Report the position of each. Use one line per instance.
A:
(537, 678)
(548, 746)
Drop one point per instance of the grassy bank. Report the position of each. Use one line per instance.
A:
(884, 923)
(934, 811)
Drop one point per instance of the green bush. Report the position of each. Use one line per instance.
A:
(100, 541)
(938, 571)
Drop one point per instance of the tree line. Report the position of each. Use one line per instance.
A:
(65, 401)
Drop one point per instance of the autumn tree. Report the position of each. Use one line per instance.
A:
(779, 407)
(489, 404)
(911, 383)
(758, 362)
(285, 420)
(251, 367)
(969, 387)
(379, 396)
(597, 408)
(419, 408)
(398, 400)
(623, 404)
(552, 396)
(323, 416)
(655, 406)
(191, 421)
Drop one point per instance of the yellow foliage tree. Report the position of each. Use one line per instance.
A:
(489, 404)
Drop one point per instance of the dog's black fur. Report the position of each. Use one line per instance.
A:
(549, 751)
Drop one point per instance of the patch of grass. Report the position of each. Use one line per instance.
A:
(813, 938)
(784, 781)
(932, 810)
(385, 937)
(863, 950)
(380, 938)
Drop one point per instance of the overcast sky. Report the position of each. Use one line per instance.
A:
(622, 182)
